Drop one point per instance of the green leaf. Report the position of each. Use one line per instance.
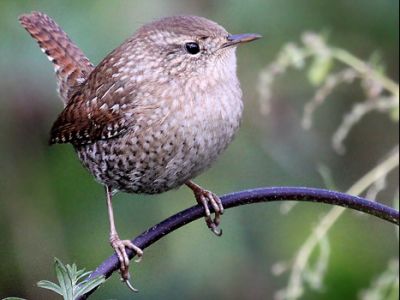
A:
(68, 277)
(394, 114)
(64, 279)
(45, 284)
(82, 274)
(376, 62)
(293, 55)
(319, 69)
(89, 285)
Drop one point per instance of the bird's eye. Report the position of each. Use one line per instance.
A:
(192, 48)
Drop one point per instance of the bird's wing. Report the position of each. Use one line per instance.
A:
(94, 113)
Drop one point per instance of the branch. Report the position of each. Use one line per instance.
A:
(191, 214)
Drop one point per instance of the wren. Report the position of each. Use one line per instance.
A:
(153, 114)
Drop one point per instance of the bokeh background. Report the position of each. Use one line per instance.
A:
(51, 207)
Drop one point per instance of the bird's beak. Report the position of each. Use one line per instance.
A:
(235, 39)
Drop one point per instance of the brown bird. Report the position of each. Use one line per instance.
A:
(154, 114)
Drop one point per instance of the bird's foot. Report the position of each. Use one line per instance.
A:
(120, 249)
(205, 197)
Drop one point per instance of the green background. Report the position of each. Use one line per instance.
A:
(51, 207)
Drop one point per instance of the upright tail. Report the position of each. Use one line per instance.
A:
(70, 64)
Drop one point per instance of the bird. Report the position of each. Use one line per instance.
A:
(153, 114)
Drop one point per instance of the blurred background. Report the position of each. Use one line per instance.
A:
(51, 207)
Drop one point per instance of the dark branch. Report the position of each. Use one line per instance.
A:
(186, 216)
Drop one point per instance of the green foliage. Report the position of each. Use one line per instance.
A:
(381, 95)
(386, 286)
(381, 92)
(70, 286)
(319, 69)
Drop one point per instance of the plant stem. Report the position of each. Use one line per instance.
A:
(294, 288)
(363, 68)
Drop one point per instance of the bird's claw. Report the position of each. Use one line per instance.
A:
(120, 249)
(129, 284)
(217, 231)
(204, 198)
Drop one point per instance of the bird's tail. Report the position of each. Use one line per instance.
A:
(70, 64)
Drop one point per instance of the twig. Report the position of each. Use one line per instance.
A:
(184, 217)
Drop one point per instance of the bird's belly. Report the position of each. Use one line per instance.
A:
(162, 157)
(134, 167)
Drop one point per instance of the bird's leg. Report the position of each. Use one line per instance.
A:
(120, 245)
(205, 197)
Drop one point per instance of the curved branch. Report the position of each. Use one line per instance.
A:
(186, 216)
